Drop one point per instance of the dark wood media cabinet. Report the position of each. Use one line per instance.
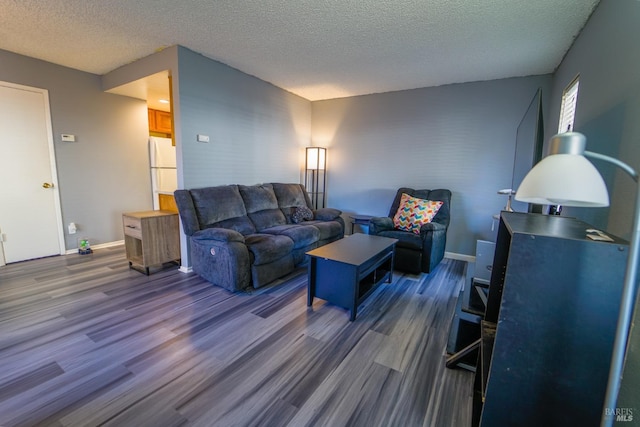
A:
(548, 331)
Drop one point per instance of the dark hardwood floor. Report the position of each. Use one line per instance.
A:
(86, 341)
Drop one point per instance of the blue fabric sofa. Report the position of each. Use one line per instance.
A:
(246, 236)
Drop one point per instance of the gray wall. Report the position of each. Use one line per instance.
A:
(257, 131)
(607, 57)
(104, 173)
(461, 137)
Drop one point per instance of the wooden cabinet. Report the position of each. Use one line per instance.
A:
(167, 202)
(151, 238)
(549, 326)
(159, 121)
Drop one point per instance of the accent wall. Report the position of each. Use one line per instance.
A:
(461, 137)
(257, 131)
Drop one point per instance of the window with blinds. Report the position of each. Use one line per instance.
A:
(568, 108)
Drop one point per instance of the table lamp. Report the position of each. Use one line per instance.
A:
(566, 177)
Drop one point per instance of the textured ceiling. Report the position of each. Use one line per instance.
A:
(318, 49)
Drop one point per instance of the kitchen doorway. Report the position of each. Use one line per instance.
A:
(156, 90)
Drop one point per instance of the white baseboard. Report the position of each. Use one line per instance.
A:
(100, 246)
(183, 269)
(460, 257)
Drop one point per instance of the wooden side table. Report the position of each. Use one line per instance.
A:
(151, 238)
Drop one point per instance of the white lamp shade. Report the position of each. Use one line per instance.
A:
(564, 179)
(316, 158)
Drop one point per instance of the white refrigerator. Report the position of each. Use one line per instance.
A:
(162, 158)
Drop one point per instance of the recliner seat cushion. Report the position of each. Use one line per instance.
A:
(405, 239)
(301, 235)
(266, 248)
(241, 224)
(327, 229)
(267, 219)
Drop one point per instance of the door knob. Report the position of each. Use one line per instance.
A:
(47, 185)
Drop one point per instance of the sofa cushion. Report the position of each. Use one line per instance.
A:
(262, 206)
(267, 219)
(327, 214)
(301, 235)
(327, 229)
(290, 195)
(258, 197)
(241, 224)
(413, 212)
(215, 206)
(266, 248)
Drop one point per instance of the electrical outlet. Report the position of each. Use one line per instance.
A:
(203, 138)
(72, 228)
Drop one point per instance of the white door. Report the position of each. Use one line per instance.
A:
(30, 218)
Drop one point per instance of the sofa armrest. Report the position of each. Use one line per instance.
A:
(187, 210)
(219, 234)
(379, 224)
(432, 226)
(327, 214)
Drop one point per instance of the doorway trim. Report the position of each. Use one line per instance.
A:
(52, 164)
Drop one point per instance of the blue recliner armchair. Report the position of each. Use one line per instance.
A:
(422, 252)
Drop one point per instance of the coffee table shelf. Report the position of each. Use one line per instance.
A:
(347, 271)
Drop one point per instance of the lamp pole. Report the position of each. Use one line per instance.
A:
(626, 304)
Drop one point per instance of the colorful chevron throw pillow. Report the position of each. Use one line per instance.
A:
(413, 212)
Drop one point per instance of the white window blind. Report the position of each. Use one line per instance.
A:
(568, 108)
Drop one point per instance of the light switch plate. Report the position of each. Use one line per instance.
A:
(68, 137)
(203, 138)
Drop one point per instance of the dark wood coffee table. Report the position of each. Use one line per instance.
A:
(347, 271)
